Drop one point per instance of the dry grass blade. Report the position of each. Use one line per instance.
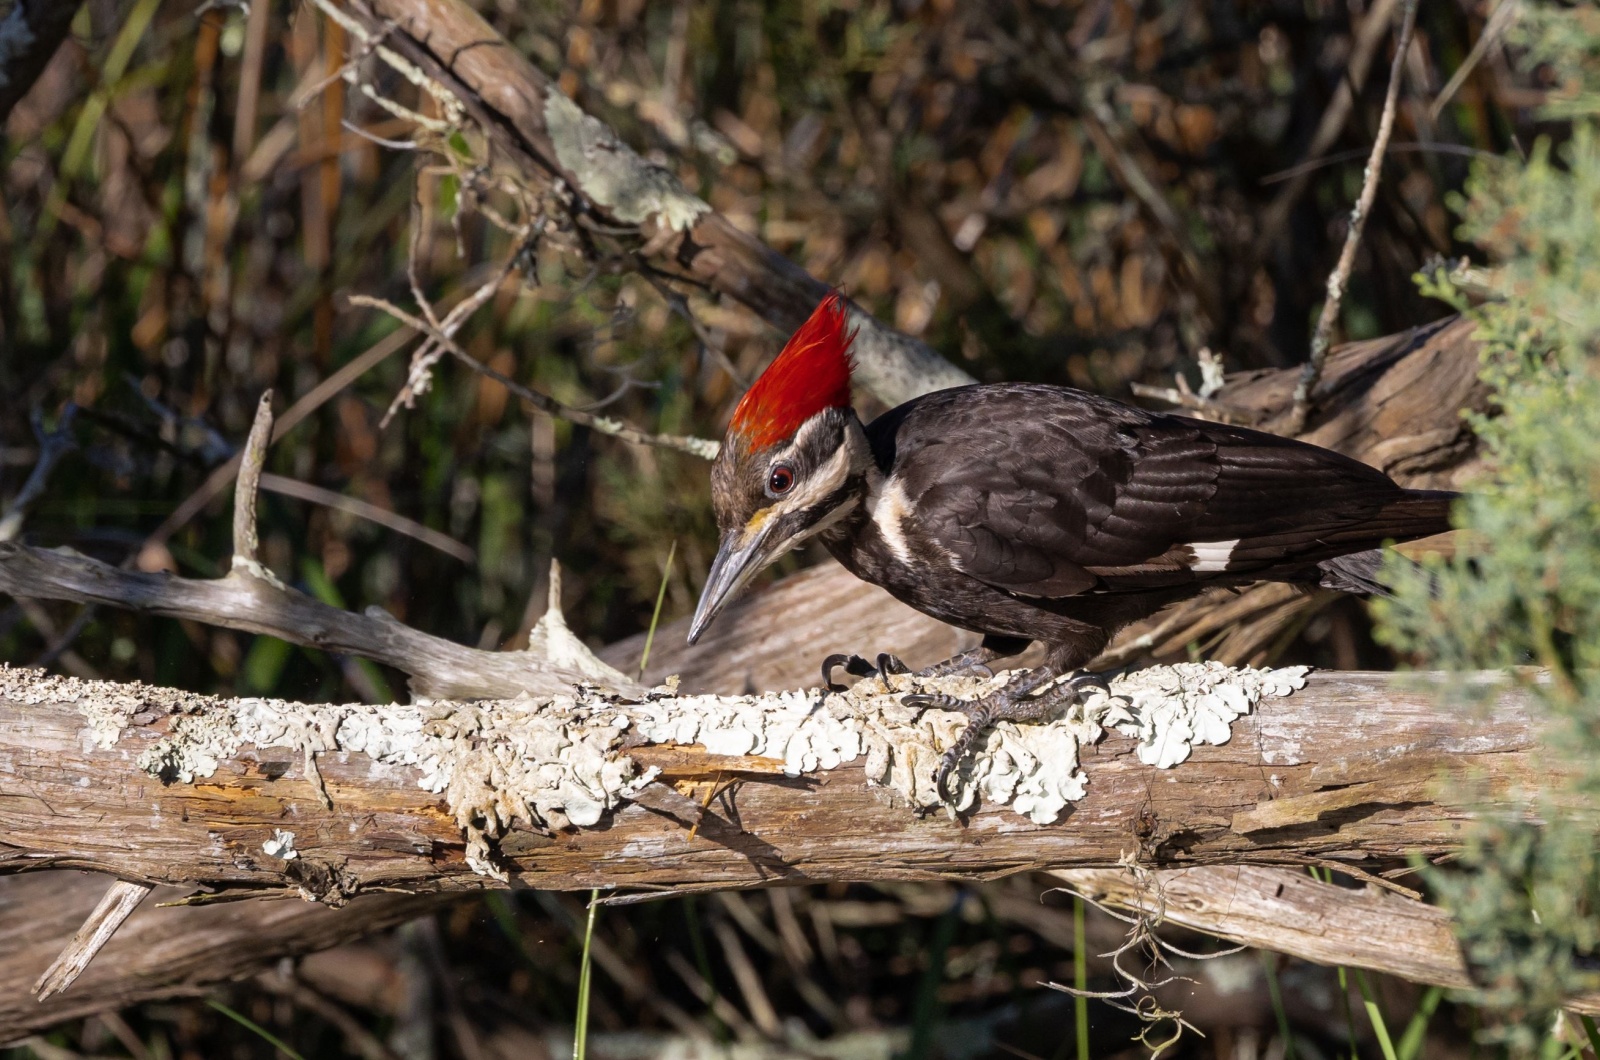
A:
(361, 509)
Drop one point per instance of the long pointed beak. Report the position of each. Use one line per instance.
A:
(739, 557)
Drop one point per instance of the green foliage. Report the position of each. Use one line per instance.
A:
(1526, 588)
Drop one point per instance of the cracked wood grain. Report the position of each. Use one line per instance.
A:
(75, 804)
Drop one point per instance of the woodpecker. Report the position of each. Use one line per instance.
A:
(1026, 512)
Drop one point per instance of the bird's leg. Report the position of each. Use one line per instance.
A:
(1015, 702)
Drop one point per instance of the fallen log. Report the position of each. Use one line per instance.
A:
(164, 788)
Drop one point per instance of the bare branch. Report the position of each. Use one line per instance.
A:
(1322, 338)
(1505, 13)
(251, 460)
(53, 445)
(361, 509)
(701, 447)
(437, 667)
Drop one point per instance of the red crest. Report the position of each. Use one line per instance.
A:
(811, 374)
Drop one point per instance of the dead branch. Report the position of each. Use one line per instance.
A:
(1294, 786)
(1291, 913)
(1323, 336)
(250, 597)
(119, 902)
(448, 51)
(53, 445)
(161, 950)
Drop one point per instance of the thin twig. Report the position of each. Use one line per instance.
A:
(1367, 37)
(361, 509)
(1323, 337)
(319, 395)
(701, 447)
(1505, 13)
(420, 376)
(1209, 408)
(53, 445)
(371, 137)
(120, 900)
(1348, 156)
(680, 305)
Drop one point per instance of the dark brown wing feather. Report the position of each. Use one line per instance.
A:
(1050, 492)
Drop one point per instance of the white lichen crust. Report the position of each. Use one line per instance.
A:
(562, 762)
(612, 175)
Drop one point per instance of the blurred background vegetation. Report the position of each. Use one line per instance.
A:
(1087, 192)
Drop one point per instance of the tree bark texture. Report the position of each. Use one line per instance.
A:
(1353, 768)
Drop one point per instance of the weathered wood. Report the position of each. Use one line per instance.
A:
(1289, 912)
(238, 600)
(161, 951)
(72, 804)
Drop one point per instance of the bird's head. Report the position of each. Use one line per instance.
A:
(794, 459)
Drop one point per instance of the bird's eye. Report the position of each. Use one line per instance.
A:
(780, 480)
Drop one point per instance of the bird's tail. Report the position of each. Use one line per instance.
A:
(1416, 513)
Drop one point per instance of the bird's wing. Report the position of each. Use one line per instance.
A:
(1049, 493)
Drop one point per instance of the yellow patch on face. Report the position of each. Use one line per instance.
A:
(758, 520)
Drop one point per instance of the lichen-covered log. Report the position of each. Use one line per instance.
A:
(160, 787)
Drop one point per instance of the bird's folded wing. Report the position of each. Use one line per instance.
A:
(1088, 506)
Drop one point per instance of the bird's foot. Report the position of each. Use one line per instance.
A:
(1022, 700)
(856, 666)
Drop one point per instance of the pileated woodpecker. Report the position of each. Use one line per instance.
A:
(1027, 512)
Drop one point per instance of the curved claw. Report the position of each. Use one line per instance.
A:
(891, 664)
(1086, 679)
(828, 665)
(854, 665)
